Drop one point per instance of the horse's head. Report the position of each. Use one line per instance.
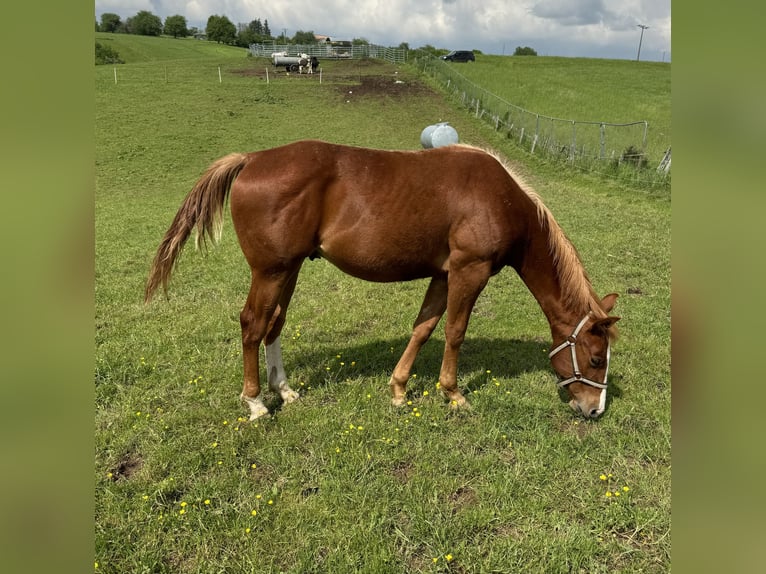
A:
(582, 360)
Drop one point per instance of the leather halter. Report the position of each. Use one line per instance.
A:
(577, 376)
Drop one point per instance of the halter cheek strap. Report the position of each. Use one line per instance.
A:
(577, 376)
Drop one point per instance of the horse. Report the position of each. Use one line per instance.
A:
(455, 214)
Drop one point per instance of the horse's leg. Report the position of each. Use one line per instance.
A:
(255, 319)
(432, 309)
(275, 369)
(465, 284)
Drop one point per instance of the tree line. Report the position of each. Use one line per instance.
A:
(218, 29)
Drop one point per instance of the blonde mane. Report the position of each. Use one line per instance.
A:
(577, 290)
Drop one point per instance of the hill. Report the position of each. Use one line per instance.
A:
(134, 49)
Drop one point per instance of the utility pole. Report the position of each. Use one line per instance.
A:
(640, 40)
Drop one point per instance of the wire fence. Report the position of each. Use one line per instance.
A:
(332, 51)
(593, 146)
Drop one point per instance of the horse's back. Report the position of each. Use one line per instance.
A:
(377, 214)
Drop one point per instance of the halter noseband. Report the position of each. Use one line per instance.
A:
(577, 376)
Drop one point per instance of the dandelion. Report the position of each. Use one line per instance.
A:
(602, 477)
(207, 501)
(225, 423)
(253, 512)
(220, 462)
(625, 488)
(438, 385)
(435, 560)
(608, 494)
(425, 393)
(247, 531)
(448, 557)
(182, 511)
(257, 496)
(270, 502)
(253, 466)
(184, 504)
(215, 444)
(96, 566)
(109, 475)
(337, 449)
(145, 497)
(617, 493)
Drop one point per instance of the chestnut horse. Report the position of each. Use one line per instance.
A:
(455, 214)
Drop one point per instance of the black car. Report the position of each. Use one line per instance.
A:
(460, 56)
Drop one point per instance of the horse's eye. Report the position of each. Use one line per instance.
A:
(596, 362)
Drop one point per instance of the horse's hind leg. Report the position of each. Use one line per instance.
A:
(257, 319)
(275, 369)
(432, 309)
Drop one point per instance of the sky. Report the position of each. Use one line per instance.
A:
(571, 28)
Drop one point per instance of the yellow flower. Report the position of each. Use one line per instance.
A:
(448, 557)
(602, 477)
(270, 502)
(435, 560)
(247, 531)
(608, 494)
(207, 501)
(617, 493)
(625, 488)
(425, 393)
(253, 512)
(183, 504)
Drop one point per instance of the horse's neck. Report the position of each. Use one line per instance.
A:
(538, 271)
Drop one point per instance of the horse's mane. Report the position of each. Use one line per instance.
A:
(577, 290)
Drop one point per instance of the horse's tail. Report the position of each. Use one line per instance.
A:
(202, 209)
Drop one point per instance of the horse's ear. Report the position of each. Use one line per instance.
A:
(607, 303)
(602, 326)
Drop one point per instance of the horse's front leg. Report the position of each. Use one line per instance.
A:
(465, 284)
(432, 309)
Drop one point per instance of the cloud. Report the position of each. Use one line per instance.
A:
(589, 28)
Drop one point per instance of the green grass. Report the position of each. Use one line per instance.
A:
(135, 49)
(581, 90)
(355, 485)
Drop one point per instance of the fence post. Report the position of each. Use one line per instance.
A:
(219, 74)
(115, 75)
(602, 142)
(574, 141)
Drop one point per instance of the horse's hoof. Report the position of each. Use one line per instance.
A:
(289, 396)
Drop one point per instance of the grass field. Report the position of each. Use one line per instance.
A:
(340, 481)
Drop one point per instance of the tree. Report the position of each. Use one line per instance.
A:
(221, 29)
(145, 24)
(107, 55)
(109, 22)
(302, 37)
(525, 51)
(176, 26)
(360, 42)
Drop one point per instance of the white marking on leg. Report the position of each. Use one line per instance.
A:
(276, 372)
(257, 408)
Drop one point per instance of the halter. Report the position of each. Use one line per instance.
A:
(577, 376)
